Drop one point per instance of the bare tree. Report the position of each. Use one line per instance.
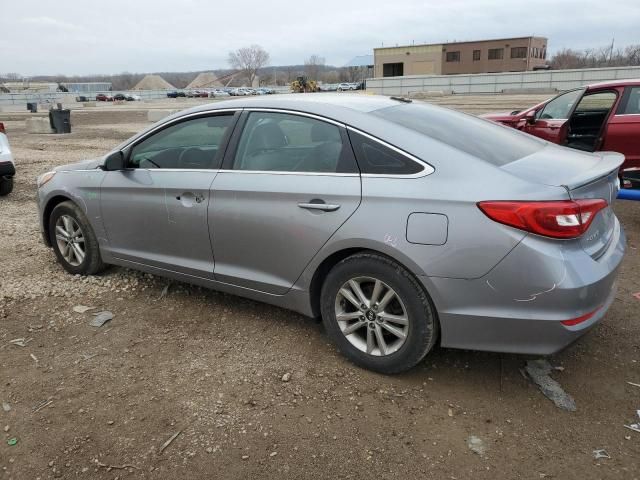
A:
(596, 57)
(249, 60)
(313, 66)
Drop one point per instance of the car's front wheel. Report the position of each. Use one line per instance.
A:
(6, 186)
(378, 314)
(73, 240)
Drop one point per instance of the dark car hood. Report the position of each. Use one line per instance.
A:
(83, 165)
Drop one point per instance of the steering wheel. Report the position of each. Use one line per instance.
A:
(185, 162)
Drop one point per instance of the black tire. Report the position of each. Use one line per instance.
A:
(92, 262)
(6, 186)
(423, 325)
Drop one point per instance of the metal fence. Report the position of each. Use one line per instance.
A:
(509, 82)
(22, 98)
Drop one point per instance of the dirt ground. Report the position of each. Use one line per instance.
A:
(87, 402)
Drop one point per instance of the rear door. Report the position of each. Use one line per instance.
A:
(289, 182)
(551, 120)
(623, 130)
(155, 212)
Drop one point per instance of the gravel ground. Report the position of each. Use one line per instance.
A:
(253, 391)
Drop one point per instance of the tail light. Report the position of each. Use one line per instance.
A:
(2, 127)
(556, 219)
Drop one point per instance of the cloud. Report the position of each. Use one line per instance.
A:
(50, 22)
(157, 35)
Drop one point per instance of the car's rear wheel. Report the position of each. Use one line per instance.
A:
(6, 186)
(73, 240)
(378, 314)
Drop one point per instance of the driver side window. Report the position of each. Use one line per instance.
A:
(559, 107)
(192, 144)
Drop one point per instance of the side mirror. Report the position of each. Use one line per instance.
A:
(114, 162)
(530, 118)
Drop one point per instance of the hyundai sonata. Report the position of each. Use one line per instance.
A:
(401, 224)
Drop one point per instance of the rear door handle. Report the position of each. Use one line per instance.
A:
(325, 207)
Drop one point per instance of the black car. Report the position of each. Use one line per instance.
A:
(119, 96)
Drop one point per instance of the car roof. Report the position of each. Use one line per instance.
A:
(615, 83)
(317, 103)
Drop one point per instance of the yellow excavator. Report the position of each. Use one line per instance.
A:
(304, 85)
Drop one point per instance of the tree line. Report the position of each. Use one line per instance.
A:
(250, 63)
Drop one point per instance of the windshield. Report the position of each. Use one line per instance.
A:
(481, 138)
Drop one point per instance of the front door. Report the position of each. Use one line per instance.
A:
(290, 181)
(155, 211)
(550, 122)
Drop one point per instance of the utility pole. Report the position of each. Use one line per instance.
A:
(613, 39)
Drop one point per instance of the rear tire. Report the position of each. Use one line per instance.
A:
(73, 240)
(6, 186)
(394, 326)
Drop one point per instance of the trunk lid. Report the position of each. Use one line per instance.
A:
(584, 176)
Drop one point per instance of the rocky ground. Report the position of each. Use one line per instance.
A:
(247, 390)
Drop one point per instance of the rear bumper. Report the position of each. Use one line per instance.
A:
(7, 169)
(518, 306)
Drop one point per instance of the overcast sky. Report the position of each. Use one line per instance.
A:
(84, 37)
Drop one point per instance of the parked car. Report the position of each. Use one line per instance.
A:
(120, 97)
(7, 164)
(241, 92)
(345, 87)
(218, 93)
(599, 117)
(103, 97)
(348, 210)
(82, 98)
(172, 94)
(131, 97)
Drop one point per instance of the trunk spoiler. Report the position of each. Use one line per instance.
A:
(565, 167)
(610, 162)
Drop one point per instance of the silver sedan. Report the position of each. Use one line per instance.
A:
(401, 224)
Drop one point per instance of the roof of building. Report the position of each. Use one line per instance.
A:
(466, 41)
(360, 61)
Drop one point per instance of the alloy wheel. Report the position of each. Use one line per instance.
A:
(372, 316)
(70, 240)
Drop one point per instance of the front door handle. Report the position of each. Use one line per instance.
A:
(189, 198)
(325, 207)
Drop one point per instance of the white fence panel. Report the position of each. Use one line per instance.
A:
(497, 82)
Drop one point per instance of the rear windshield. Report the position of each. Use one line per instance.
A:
(490, 142)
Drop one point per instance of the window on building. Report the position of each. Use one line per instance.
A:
(476, 55)
(518, 52)
(453, 56)
(392, 69)
(496, 53)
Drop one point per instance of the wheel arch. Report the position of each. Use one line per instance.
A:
(52, 203)
(321, 271)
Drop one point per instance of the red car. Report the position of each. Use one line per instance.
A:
(101, 97)
(603, 116)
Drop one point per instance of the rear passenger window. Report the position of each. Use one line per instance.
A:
(375, 158)
(633, 103)
(283, 142)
